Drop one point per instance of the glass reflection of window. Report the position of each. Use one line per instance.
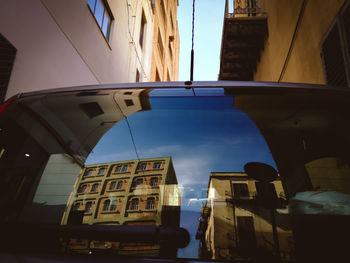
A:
(118, 169)
(112, 185)
(240, 190)
(157, 165)
(113, 205)
(106, 205)
(134, 204)
(138, 182)
(94, 188)
(102, 15)
(125, 168)
(154, 182)
(82, 188)
(119, 185)
(88, 207)
(150, 203)
(101, 171)
(143, 166)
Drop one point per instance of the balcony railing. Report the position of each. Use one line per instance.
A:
(245, 8)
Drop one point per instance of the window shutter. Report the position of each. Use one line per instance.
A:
(333, 59)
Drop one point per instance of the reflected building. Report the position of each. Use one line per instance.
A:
(236, 223)
(134, 192)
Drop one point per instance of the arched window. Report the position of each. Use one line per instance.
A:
(119, 185)
(88, 207)
(154, 182)
(112, 185)
(150, 203)
(94, 188)
(134, 204)
(106, 205)
(82, 188)
(113, 205)
(138, 182)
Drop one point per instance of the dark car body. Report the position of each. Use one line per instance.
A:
(226, 171)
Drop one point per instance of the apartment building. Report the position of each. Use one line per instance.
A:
(49, 44)
(235, 223)
(166, 41)
(303, 41)
(134, 192)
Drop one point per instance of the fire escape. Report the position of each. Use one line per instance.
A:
(244, 35)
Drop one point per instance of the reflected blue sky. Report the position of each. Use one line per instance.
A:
(201, 134)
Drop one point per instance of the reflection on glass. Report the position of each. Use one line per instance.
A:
(255, 176)
(134, 200)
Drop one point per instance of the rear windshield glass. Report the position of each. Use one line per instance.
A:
(174, 173)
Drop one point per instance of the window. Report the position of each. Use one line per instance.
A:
(112, 185)
(7, 58)
(134, 204)
(142, 29)
(157, 165)
(113, 205)
(118, 169)
(240, 190)
(335, 50)
(154, 182)
(82, 188)
(94, 188)
(150, 203)
(128, 103)
(143, 166)
(125, 168)
(88, 173)
(119, 185)
(106, 205)
(103, 15)
(101, 171)
(88, 207)
(138, 182)
(127, 93)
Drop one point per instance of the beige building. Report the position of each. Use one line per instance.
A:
(48, 44)
(134, 192)
(234, 224)
(289, 41)
(166, 41)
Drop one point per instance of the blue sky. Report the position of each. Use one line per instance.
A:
(209, 16)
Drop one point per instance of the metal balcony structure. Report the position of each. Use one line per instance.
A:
(244, 35)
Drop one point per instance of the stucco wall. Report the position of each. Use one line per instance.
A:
(59, 44)
(45, 59)
(305, 64)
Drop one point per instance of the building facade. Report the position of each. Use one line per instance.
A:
(235, 224)
(303, 41)
(49, 44)
(135, 192)
(166, 41)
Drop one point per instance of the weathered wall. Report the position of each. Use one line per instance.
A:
(305, 64)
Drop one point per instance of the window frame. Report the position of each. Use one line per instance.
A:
(154, 179)
(106, 10)
(134, 206)
(95, 185)
(150, 205)
(339, 25)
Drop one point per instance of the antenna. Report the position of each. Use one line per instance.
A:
(192, 52)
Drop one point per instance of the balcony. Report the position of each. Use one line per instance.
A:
(244, 35)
